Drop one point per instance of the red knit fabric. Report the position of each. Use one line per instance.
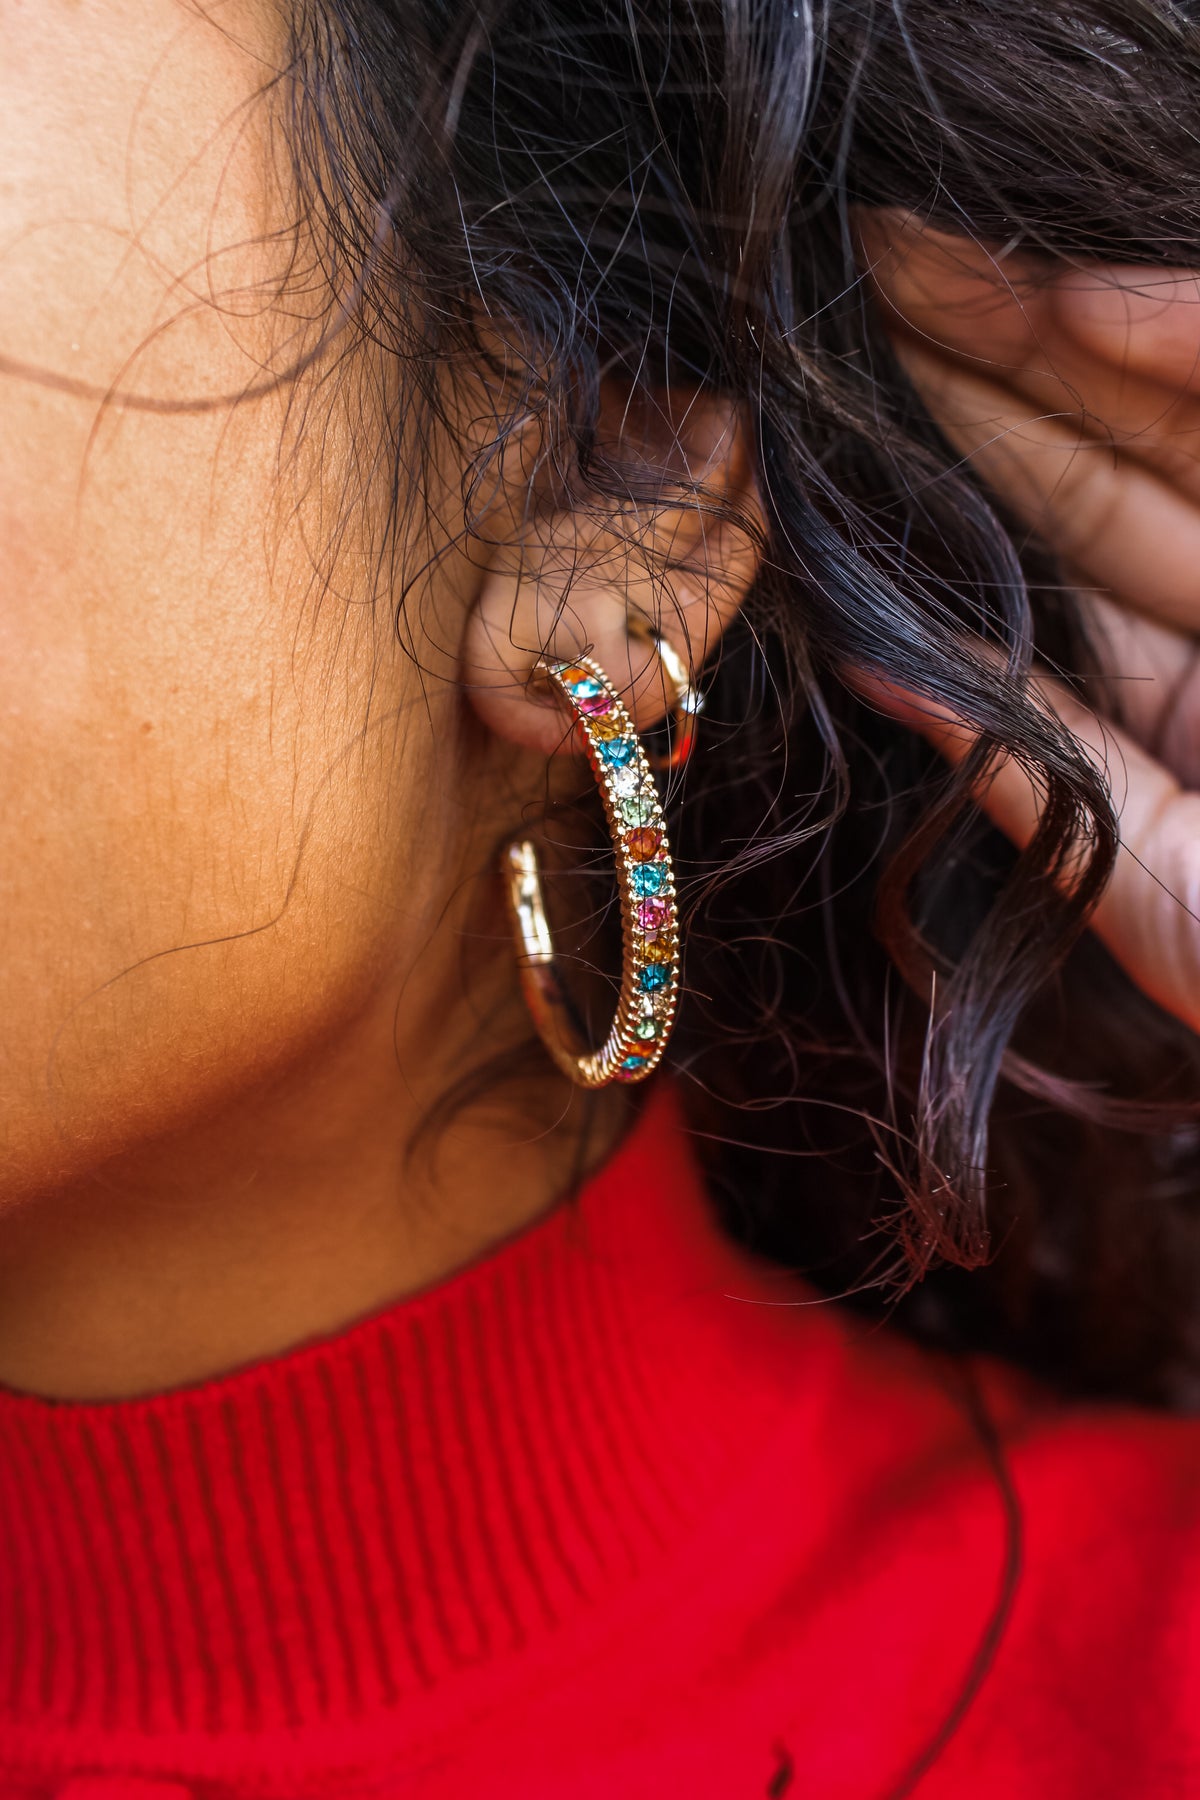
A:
(615, 1512)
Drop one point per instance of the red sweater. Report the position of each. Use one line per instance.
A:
(614, 1514)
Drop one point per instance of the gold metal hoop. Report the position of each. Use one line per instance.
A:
(686, 699)
(649, 992)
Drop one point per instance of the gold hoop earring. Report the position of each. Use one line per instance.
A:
(685, 698)
(649, 992)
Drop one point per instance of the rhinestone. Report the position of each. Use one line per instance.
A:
(631, 1066)
(646, 1028)
(590, 704)
(644, 843)
(606, 726)
(625, 781)
(655, 1006)
(620, 751)
(657, 949)
(648, 878)
(653, 914)
(653, 977)
(638, 809)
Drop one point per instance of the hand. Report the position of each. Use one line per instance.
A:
(1076, 396)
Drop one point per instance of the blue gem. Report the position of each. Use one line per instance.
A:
(587, 689)
(633, 1063)
(619, 751)
(648, 878)
(654, 976)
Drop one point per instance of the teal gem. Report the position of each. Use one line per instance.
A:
(654, 976)
(647, 878)
(618, 751)
(632, 1063)
(587, 688)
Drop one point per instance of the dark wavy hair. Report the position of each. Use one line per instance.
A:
(910, 1059)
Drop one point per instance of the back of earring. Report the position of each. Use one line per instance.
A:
(686, 700)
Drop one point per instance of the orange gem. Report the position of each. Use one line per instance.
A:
(644, 843)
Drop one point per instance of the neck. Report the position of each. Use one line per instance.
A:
(318, 1197)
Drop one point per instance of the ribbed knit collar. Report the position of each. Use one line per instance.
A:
(326, 1535)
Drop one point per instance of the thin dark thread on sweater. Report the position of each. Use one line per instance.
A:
(970, 1395)
(783, 1774)
(353, 1535)
(254, 1545)
(385, 1513)
(517, 1415)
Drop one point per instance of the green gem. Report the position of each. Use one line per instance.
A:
(636, 809)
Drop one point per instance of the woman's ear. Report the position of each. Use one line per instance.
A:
(577, 574)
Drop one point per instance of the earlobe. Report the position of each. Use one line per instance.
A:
(606, 591)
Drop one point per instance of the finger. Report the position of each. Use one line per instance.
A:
(1150, 681)
(1052, 337)
(1126, 528)
(1143, 321)
(1149, 915)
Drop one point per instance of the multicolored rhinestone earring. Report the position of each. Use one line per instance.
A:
(649, 917)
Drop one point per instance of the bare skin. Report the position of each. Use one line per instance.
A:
(250, 932)
(249, 929)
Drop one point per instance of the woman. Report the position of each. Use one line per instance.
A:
(402, 400)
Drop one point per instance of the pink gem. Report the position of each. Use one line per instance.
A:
(591, 704)
(653, 913)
